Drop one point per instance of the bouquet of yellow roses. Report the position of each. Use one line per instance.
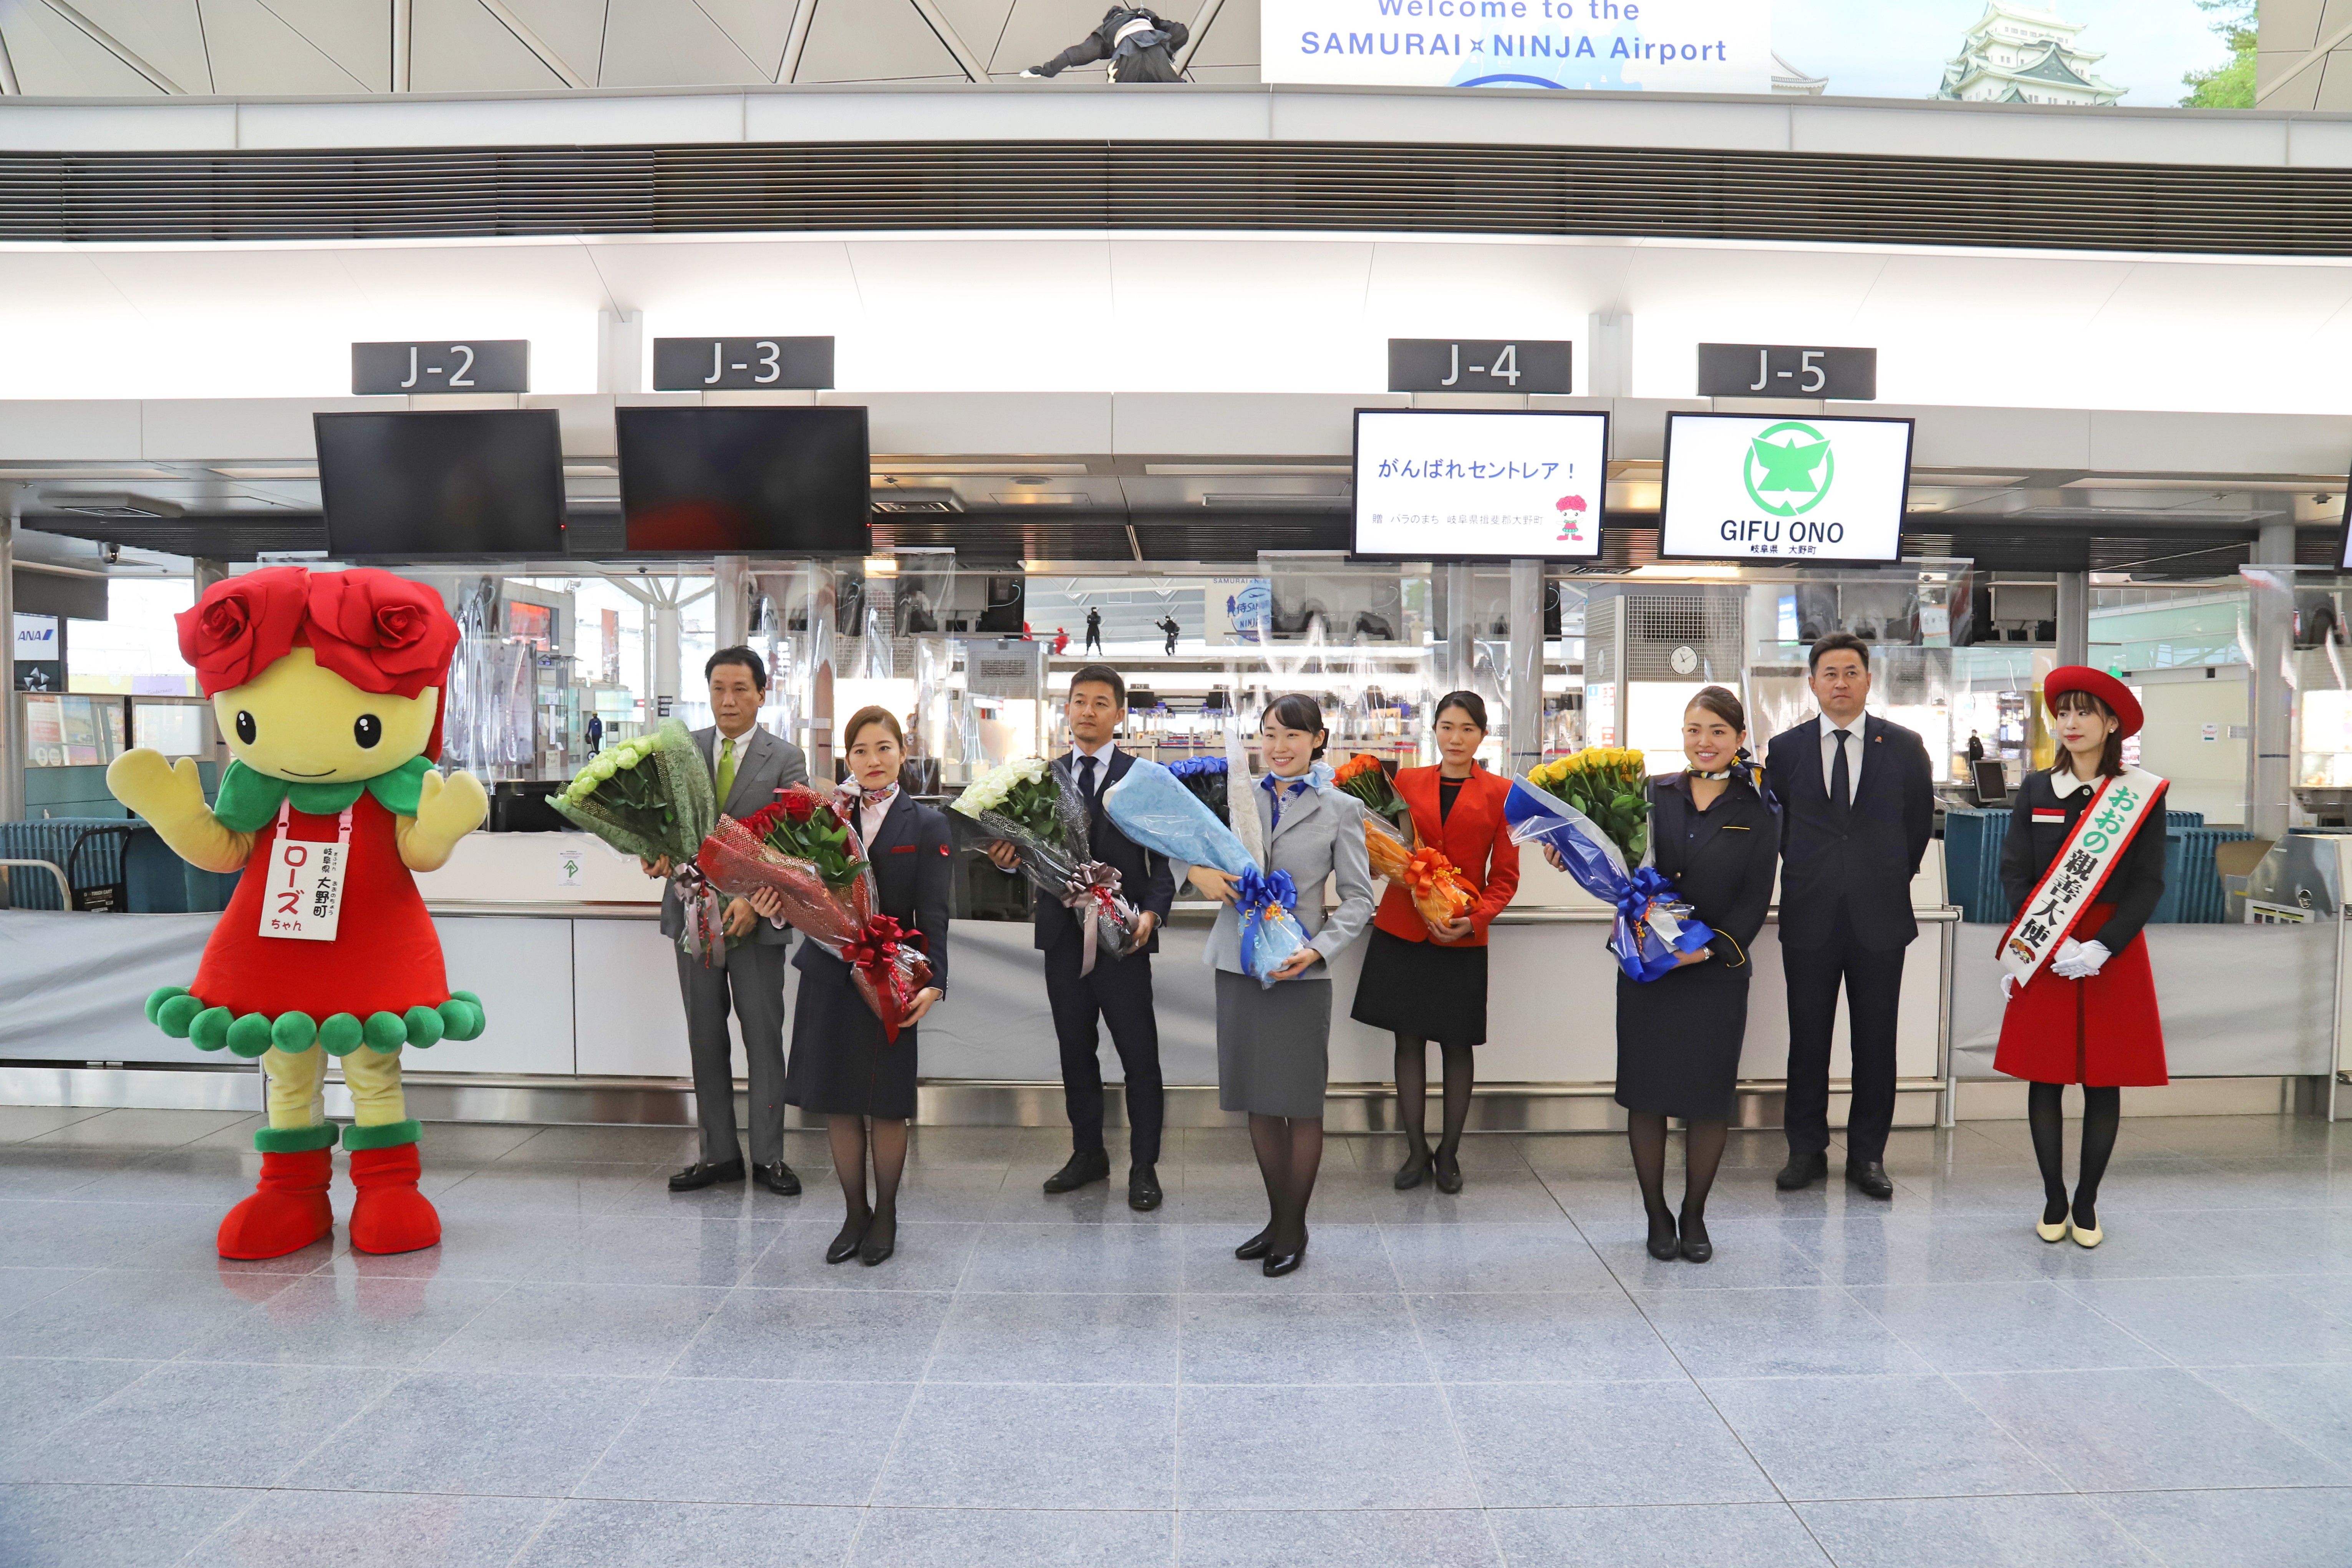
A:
(1592, 808)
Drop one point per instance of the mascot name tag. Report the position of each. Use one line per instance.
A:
(303, 898)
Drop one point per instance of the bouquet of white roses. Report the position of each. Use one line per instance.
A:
(1025, 804)
(651, 796)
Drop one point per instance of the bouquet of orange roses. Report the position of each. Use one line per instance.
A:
(1439, 891)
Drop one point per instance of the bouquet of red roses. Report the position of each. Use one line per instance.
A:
(807, 853)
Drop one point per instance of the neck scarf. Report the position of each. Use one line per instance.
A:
(249, 799)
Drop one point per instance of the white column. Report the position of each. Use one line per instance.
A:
(1526, 664)
(2273, 610)
(2074, 617)
(730, 592)
(12, 707)
(1608, 354)
(662, 631)
(620, 350)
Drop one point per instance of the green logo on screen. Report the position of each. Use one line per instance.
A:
(1789, 464)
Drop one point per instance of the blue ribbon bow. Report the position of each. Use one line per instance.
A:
(1644, 886)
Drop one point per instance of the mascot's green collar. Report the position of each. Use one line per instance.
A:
(248, 799)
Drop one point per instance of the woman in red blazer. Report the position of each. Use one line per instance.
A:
(1424, 985)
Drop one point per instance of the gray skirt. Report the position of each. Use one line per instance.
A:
(1274, 1046)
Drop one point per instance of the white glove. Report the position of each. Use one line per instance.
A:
(2010, 986)
(1029, 76)
(2061, 962)
(2087, 958)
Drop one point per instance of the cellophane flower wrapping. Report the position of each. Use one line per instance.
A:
(1364, 776)
(1205, 777)
(1607, 855)
(1441, 894)
(807, 853)
(1160, 810)
(651, 797)
(1024, 804)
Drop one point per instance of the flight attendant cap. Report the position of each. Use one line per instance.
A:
(2101, 685)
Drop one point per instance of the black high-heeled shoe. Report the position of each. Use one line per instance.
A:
(1664, 1245)
(1697, 1246)
(1255, 1247)
(844, 1246)
(1415, 1169)
(1278, 1264)
(881, 1240)
(1447, 1172)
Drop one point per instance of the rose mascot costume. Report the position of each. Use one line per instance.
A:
(328, 687)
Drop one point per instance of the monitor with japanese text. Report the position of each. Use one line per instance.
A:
(1442, 484)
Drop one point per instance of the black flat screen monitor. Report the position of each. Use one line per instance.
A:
(1992, 780)
(762, 481)
(462, 481)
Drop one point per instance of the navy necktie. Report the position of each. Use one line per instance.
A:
(1086, 781)
(1842, 777)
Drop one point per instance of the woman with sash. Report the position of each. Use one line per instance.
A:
(1274, 1041)
(2084, 868)
(1420, 982)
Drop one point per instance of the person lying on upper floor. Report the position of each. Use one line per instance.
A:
(1140, 45)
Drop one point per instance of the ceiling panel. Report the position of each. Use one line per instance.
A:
(356, 34)
(664, 43)
(574, 32)
(759, 28)
(53, 58)
(872, 40)
(1037, 30)
(253, 50)
(1231, 40)
(460, 48)
(166, 34)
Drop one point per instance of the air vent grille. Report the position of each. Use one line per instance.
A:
(1679, 192)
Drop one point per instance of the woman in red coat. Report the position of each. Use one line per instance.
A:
(1421, 983)
(2084, 868)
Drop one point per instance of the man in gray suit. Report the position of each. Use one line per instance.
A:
(750, 767)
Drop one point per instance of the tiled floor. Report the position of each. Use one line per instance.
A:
(589, 1370)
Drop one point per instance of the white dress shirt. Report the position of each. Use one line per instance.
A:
(870, 816)
(2063, 781)
(1852, 757)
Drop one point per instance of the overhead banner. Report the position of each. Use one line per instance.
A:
(1650, 46)
(1746, 486)
(2086, 53)
(1446, 485)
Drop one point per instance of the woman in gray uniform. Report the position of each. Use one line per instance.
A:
(1273, 1043)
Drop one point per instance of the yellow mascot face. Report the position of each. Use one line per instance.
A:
(307, 725)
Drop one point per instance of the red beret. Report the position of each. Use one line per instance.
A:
(2101, 685)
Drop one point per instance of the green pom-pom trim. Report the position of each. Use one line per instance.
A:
(384, 1032)
(157, 997)
(208, 1030)
(176, 1013)
(384, 1137)
(424, 1027)
(340, 1035)
(249, 1036)
(294, 1140)
(461, 1016)
(294, 1033)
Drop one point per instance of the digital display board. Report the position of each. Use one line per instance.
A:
(471, 482)
(1441, 484)
(770, 479)
(1762, 487)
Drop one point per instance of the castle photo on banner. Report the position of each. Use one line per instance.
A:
(2084, 53)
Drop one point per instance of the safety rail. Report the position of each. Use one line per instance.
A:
(64, 889)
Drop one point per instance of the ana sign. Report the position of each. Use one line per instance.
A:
(1656, 46)
(1748, 486)
(1445, 485)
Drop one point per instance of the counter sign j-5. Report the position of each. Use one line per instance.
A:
(1762, 487)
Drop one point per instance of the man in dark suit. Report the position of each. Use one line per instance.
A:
(1119, 991)
(748, 766)
(1858, 805)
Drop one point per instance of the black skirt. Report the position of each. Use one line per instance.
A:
(841, 1065)
(1422, 989)
(1678, 1039)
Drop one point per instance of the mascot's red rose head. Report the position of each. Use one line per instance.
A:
(322, 675)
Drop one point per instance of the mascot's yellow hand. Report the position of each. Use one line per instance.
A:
(171, 797)
(446, 810)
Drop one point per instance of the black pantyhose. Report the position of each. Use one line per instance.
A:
(1289, 1153)
(1460, 1070)
(848, 1139)
(2102, 1119)
(1702, 1144)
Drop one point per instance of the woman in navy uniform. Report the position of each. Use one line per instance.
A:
(1714, 834)
(2086, 1014)
(842, 1065)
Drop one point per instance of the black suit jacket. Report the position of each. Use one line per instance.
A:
(912, 873)
(1720, 859)
(1865, 864)
(1144, 879)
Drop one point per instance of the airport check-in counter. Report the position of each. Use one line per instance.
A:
(559, 936)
